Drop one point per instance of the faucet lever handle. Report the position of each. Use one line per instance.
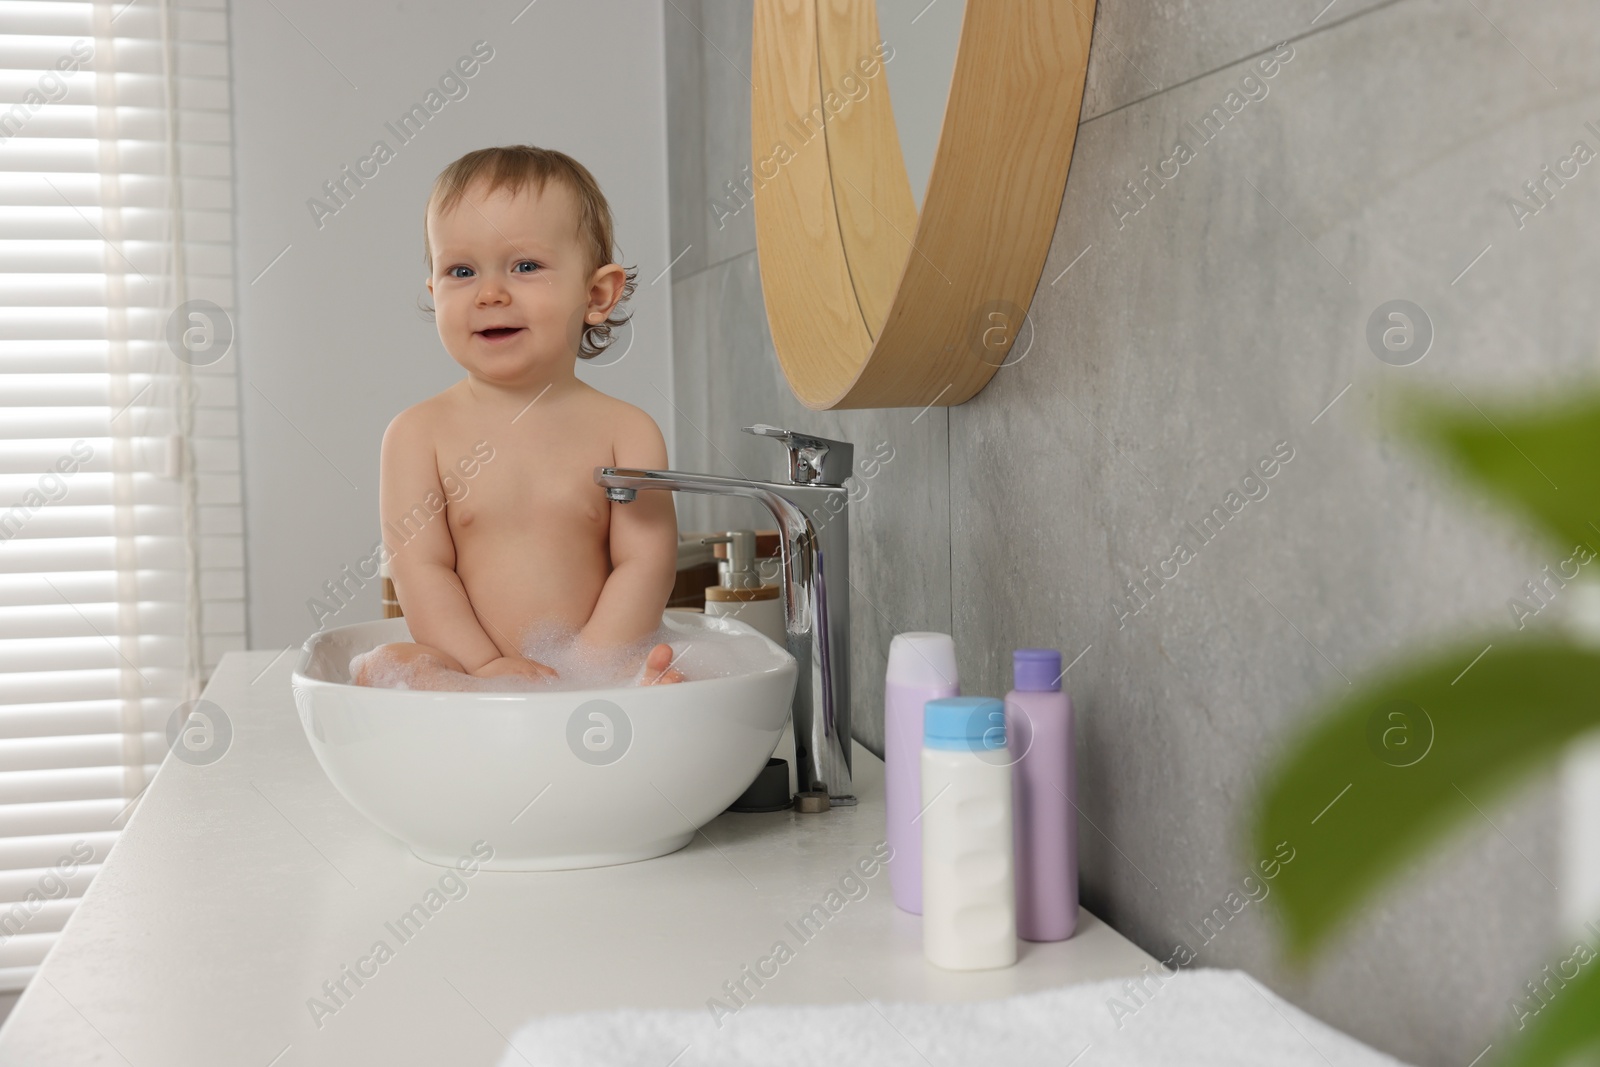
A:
(812, 459)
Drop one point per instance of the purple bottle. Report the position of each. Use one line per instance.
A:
(922, 667)
(1039, 731)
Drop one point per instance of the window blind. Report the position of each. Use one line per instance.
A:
(121, 556)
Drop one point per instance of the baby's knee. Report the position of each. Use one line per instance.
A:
(376, 665)
(395, 665)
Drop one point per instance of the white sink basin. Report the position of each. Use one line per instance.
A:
(549, 780)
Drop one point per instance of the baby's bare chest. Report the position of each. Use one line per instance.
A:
(529, 490)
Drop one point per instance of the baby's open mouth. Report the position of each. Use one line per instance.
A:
(496, 333)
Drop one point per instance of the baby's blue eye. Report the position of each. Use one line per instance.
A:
(452, 272)
(527, 263)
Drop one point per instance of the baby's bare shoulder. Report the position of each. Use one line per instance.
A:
(635, 438)
(422, 422)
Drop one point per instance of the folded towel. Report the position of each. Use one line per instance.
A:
(1195, 1018)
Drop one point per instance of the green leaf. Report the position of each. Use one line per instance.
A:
(1390, 767)
(1540, 459)
(1565, 1027)
(1386, 770)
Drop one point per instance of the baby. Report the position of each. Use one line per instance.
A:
(518, 245)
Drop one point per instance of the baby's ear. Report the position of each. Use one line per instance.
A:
(606, 288)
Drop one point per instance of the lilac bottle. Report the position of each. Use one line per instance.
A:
(922, 667)
(1039, 729)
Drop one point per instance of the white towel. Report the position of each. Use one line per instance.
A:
(1200, 1018)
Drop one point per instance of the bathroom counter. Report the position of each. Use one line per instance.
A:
(243, 889)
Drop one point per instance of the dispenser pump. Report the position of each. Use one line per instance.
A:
(736, 566)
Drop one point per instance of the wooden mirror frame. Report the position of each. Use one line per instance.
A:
(864, 314)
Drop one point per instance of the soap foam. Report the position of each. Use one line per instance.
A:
(578, 667)
(386, 674)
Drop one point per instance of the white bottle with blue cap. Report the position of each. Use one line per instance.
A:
(969, 899)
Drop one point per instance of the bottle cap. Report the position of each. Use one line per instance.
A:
(922, 659)
(972, 724)
(1036, 670)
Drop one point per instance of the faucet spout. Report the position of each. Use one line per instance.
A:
(814, 533)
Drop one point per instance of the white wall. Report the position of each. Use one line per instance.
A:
(331, 341)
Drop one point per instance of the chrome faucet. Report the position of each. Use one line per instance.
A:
(813, 517)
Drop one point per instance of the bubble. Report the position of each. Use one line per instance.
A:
(380, 671)
(578, 666)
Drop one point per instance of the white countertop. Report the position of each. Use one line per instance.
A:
(240, 887)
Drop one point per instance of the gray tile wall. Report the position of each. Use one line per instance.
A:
(1225, 316)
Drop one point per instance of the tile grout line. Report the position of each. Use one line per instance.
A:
(1312, 32)
(680, 276)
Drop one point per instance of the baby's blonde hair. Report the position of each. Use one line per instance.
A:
(514, 167)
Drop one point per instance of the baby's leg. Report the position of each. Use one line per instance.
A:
(410, 665)
(658, 668)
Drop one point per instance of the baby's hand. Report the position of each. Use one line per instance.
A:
(515, 667)
(658, 669)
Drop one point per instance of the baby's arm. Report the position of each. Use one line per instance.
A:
(643, 544)
(422, 554)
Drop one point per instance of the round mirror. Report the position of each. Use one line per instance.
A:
(902, 225)
(922, 38)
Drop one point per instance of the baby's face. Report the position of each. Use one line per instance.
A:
(511, 283)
